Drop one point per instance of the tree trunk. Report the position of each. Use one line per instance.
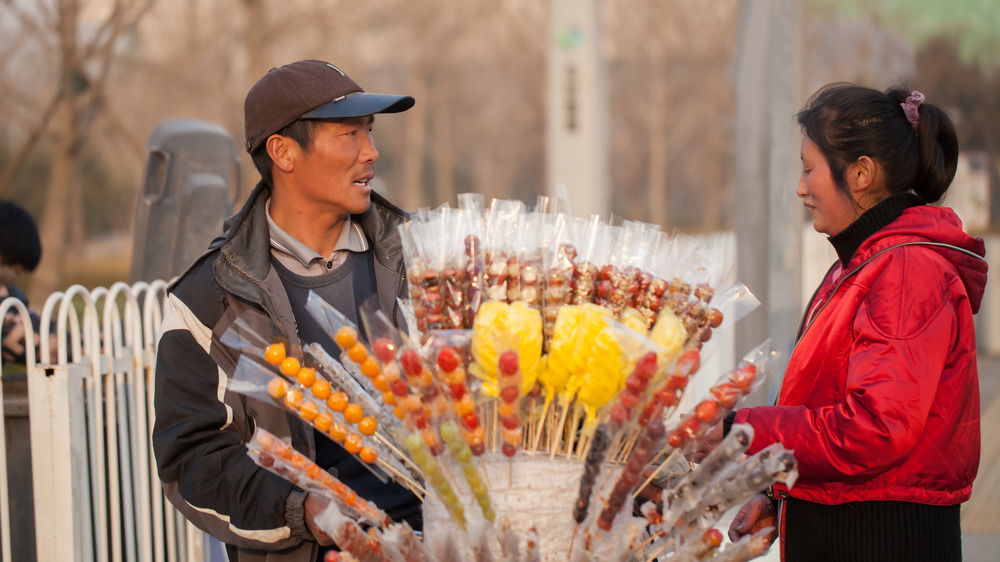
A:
(410, 193)
(64, 179)
(658, 150)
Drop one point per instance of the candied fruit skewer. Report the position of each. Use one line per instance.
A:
(557, 289)
(495, 275)
(434, 474)
(685, 494)
(460, 399)
(509, 383)
(334, 417)
(268, 450)
(455, 282)
(313, 400)
(461, 451)
(426, 403)
(647, 446)
(344, 382)
(475, 285)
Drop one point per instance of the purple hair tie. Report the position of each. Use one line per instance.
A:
(910, 108)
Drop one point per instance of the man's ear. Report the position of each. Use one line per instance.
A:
(282, 151)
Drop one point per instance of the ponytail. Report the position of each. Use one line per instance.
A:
(937, 149)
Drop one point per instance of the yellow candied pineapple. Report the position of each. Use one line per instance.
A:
(634, 320)
(593, 319)
(562, 351)
(669, 334)
(498, 322)
(605, 373)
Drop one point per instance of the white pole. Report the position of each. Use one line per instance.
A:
(576, 116)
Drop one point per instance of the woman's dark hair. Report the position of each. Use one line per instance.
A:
(847, 122)
(19, 240)
(300, 130)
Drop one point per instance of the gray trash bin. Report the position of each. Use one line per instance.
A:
(189, 187)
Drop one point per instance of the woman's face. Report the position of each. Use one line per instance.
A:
(831, 209)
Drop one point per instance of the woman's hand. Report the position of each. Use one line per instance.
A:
(757, 514)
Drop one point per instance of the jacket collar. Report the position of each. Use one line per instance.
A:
(847, 242)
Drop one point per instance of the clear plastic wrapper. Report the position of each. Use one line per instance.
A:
(280, 458)
(747, 548)
(502, 273)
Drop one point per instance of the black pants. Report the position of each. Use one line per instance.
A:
(877, 531)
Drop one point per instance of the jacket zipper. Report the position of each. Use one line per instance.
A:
(812, 318)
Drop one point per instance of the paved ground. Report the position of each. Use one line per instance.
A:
(985, 548)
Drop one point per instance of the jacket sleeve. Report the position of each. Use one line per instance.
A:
(901, 336)
(200, 446)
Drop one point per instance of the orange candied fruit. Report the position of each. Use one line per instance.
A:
(475, 436)
(313, 471)
(465, 405)
(410, 403)
(308, 410)
(277, 387)
(389, 398)
(339, 489)
(306, 376)
(357, 352)
(323, 421)
(367, 426)
(339, 432)
(321, 389)
(380, 384)
(368, 454)
(337, 401)
(398, 412)
(290, 367)
(350, 498)
(346, 337)
(353, 443)
(265, 440)
(353, 413)
(275, 353)
(369, 367)
(454, 377)
(507, 409)
(293, 398)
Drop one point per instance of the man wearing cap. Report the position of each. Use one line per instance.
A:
(312, 224)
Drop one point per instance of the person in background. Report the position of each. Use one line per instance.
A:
(880, 399)
(312, 223)
(20, 251)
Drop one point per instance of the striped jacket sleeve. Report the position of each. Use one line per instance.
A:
(199, 439)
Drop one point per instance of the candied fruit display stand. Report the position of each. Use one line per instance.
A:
(536, 394)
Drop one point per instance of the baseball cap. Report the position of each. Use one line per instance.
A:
(309, 89)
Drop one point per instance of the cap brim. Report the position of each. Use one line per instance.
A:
(360, 104)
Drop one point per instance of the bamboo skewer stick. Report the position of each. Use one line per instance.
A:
(399, 454)
(413, 486)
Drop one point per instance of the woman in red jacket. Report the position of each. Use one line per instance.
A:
(880, 399)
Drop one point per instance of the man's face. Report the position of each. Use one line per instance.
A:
(334, 173)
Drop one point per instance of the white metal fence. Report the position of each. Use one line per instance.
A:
(94, 492)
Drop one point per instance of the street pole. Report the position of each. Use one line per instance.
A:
(768, 215)
(576, 116)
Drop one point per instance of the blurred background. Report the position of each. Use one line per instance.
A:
(83, 83)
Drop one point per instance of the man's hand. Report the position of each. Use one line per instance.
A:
(314, 505)
(757, 514)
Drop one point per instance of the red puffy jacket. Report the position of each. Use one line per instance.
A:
(880, 399)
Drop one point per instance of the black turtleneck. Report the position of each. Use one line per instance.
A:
(871, 221)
